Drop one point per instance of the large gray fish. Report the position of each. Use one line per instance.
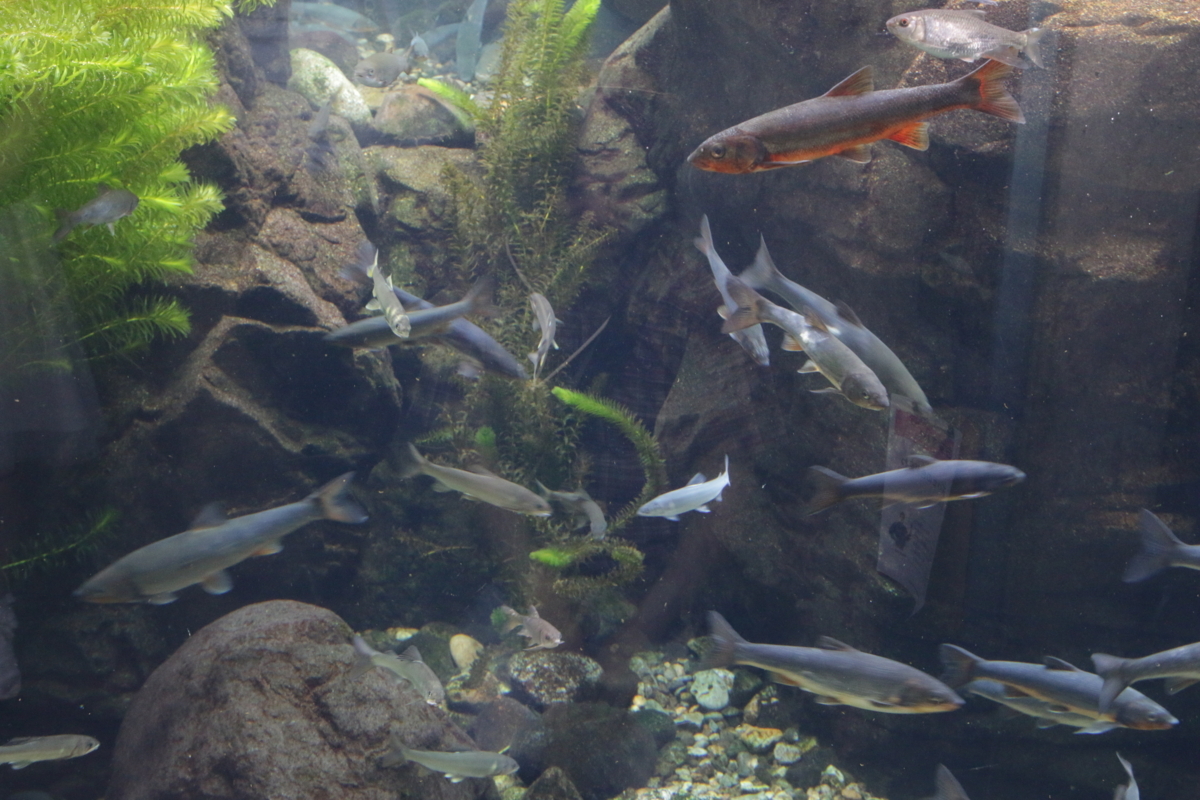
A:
(540, 633)
(1160, 549)
(1179, 665)
(925, 482)
(480, 485)
(20, 753)
(1130, 790)
(965, 35)
(851, 378)
(455, 766)
(1048, 714)
(332, 16)
(946, 786)
(843, 323)
(835, 672)
(1062, 685)
(579, 504)
(751, 339)
(544, 321)
(463, 335)
(108, 206)
(406, 667)
(202, 554)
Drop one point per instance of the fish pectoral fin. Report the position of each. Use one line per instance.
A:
(809, 366)
(217, 583)
(703, 509)
(162, 598)
(915, 136)
(847, 313)
(1099, 726)
(1042, 724)
(883, 704)
(785, 679)
(19, 764)
(1058, 708)
(773, 164)
(269, 548)
(723, 311)
(859, 154)
(1174, 685)
(792, 344)
(673, 518)
(438, 486)
(454, 778)
(826, 700)
(826, 390)
(861, 82)
(1005, 54)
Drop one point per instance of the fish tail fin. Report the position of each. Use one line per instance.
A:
(362, 659)
(762, 274)
(1158, 545)
(65, 224)
(704, 242)
(396, 755)
(747, 311)
(336, 502)
(958, 665)
(411, 462)
(828, 489)
(993, 98)
(479, 298)
(512, 619)
(725, 642)
(1111, 669)
(1033, 45)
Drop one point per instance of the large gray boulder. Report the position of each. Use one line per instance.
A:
(259, 704)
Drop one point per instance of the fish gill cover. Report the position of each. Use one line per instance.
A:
(104, 92)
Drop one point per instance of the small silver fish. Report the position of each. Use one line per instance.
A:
(849, 375)
(1179, 665)
(541, 634)
(202, 554)
(480, 485)
(1160, 549)
(946, 786)
(108, 206)
(835, 672)
(544, 321)
(696, 496)
(1048, 714)
(1058, 683)
(751, 339)
(964, 35)
(385, 300)
(20, 753)
(1130, 790)
(404, 668)
(926, 481)
(586, 510)
(381, 69)
(455, 766)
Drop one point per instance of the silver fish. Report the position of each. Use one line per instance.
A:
(1179, 665)
(926, 481)
(455, 766)
(851, 378)
(965, 35)
(835, 672)
(693, 497)
(20, 753)
(331, 16)
(381, 69)
(202, 554)
(540, 633)
(1058, 683)
(480, 485)
(1160, 549)
(544, 321)
(751, 339)
(470, 40)
(1048, 714)
(843, 323)
(586, 510)
(946, 786)
(404, 668)
(385, 301)
(108, 206)
(1130, 790)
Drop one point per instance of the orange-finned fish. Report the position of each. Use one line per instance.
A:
(850, 116)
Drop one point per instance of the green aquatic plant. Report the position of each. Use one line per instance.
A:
(588, 565)
(49, 550)
(101, 91)
(464, 107)
(553, 557)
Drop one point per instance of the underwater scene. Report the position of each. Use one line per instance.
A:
(590, 399)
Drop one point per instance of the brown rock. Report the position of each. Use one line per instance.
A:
(411, 115)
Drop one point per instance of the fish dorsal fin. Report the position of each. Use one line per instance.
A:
(210, 516)
(412, 654)
(101, 188)
(809, 366)
(978, 12)
(860, 82)
(917, 460)
(815, 322)
(859, 154)
(533, 612)
(829, 643)
(1058, 664)
(847, 313)
(697, 478)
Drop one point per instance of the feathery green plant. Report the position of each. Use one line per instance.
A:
(49, 550)
(102, 91)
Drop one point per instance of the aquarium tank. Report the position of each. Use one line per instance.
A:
(599, 400)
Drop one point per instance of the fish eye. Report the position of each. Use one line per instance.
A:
(717, 151)
(903, 23)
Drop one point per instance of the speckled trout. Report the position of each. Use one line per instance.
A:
(836, 672)
(202, 554)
